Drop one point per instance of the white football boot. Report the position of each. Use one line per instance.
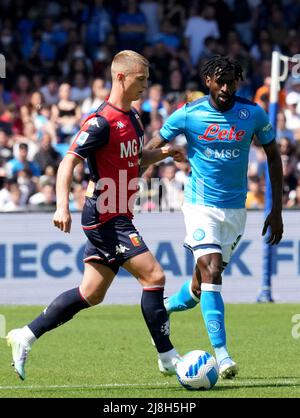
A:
(228, 368)
(168, 368)
(20, 351)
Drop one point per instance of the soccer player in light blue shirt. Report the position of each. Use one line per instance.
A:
(219, 129)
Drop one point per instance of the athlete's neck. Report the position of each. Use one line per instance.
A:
(119, 101)
(224, 108)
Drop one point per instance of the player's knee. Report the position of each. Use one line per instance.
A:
(93, 297)
(156, 277)
(216, 274)
(211, 272)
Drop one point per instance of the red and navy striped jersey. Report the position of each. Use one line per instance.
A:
(111, 140)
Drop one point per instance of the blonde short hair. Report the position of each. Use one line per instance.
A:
(127, 60)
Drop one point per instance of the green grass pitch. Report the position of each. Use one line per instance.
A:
(105, 352)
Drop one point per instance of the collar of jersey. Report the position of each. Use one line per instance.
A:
(117, 108)
(218, 110)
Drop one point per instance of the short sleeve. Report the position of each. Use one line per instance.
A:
(264, 130)
(174, 125)
(93, 135)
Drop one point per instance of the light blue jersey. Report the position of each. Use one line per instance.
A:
(218, 148)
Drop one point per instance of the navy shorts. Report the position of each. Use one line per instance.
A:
(113, 243)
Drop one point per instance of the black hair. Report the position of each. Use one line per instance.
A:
(220, 66)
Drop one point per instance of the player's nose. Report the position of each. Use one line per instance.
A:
(225, 88)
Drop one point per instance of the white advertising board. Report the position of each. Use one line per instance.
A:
(37, 261)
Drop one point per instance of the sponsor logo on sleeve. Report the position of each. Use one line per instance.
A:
(82, 137)
(267, 128)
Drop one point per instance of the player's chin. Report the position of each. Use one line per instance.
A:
(223, 101)
(138, 95)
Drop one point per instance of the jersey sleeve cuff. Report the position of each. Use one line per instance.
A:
(164, 139)
(76, 155)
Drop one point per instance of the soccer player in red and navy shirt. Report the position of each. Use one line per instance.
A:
(111, 140)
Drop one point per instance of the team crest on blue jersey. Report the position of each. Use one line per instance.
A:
(244, 114)
(199, 234)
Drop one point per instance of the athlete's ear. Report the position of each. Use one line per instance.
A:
(120, 76)
(207, 81)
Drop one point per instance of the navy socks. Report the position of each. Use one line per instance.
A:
(156, 318)
(60, 310)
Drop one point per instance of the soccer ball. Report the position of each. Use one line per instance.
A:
(197, 370)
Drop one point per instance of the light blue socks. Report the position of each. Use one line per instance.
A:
(212, 307)
(182, 300)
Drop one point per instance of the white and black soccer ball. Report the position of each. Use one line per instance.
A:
(197, 370)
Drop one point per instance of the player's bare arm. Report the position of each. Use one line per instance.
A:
(151, 156)
(62, 217)
(274, 219)
(155, 142)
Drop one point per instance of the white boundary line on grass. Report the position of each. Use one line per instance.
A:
(104, 385)
(236, 382)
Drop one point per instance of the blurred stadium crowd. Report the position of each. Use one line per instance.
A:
(58, 56)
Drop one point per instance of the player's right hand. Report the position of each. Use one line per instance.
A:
(177, 152)
(62, 219)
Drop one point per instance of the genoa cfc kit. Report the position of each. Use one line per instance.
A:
(111, 141)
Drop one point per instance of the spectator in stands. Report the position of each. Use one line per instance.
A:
(291, 114)
(80, 89)
(26, 185)
(6, 152)
(13, 203)
(175, 82)
(97, 27)
(149, 196)
(21, 162)
(22, 92)
(30, 111)
(66, 114)
(47, 156)
(154, 100)
(289, 177)
(168, 36)
(5, 96)
(5, 192)
(50, 91)
(152, 11)
(262, 95)
(172, 193)
(255, 196)
(242, 20)
(294, 198)
(49, 175)
(45, 198)
(202, 17)
(97, 97)
(77, 198)
(281, 129)
(132, 27)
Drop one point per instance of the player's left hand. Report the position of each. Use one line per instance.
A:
(177, 152)
(274, 221)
